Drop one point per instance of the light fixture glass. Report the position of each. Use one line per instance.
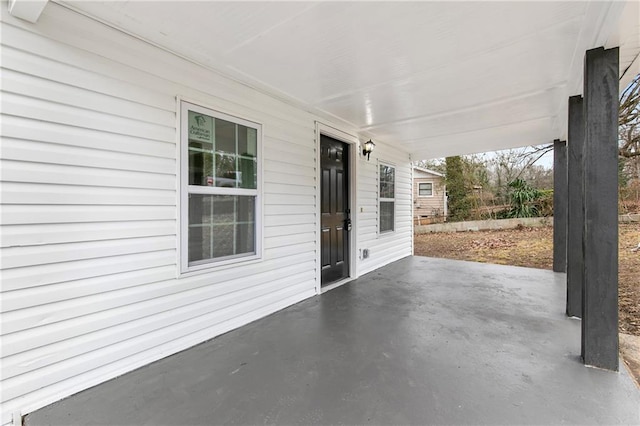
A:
(368, 148)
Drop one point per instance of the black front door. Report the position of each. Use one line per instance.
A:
(335, 222)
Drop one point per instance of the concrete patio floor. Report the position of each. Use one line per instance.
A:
(421, 341)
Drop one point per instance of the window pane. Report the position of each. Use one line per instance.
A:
(226, 175)
(200, 148)
(247, 154)
(387, 181)
(225, 136)
(220, 226)
(200, 165)
(248, 173)
(247, 141)
(426, 189)
(387, 216)
(222, 153)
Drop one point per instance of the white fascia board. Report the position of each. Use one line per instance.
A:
(29, 10)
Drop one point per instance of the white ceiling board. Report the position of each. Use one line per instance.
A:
(526, 108)
(415, 74)
(200, 30)
(516, 135)
(341, 48)
(468, 83)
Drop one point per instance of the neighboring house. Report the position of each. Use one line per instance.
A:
(429, 196)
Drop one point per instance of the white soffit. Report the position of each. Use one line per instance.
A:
(433, 78)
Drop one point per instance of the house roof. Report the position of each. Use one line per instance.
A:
(422, 169)
(432, 78)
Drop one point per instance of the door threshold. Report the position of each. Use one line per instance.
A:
(331, 286)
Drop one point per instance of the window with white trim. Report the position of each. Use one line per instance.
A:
(425, 189)
(220, 194)
(387, 200)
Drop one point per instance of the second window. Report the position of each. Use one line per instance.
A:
(387, 198)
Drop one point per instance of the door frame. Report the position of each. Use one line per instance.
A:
(353, 144)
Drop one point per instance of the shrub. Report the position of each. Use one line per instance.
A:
(522, 199)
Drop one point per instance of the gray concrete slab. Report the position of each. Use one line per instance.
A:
(421, 341)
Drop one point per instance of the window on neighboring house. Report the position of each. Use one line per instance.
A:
(425, 189)
(387, 200)
(220, 197)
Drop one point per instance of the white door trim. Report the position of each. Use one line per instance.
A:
(354, 145)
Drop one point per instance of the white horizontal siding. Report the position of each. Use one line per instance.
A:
(42, 254)
(89, 213)
(288, 216)
(45, 152)
(54, 133)
(30, 193)
(39, 234)
(113, 345)
(81, 42)
(89, 209)
(76, 116)
(278, 177)
(391, 246)
(55, 174)
(40, 275)
(276, 212)
(46, 322)
(47, 90)
(18, 214)
(289, 250)
(49, 394)
(29, 297)
(98, 80)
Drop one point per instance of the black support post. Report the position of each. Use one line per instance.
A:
(575, 226)
(560, 200)
(600, 241)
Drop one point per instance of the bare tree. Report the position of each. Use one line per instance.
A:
(436, 165)
(508, 165)
(629, 137)
(629, 120)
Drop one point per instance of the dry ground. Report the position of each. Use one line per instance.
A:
(533, 248)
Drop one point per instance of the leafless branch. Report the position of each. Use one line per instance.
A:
(629, 120)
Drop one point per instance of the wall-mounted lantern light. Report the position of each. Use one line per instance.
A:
(368, 148)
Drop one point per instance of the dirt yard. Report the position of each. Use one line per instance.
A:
(533, 248)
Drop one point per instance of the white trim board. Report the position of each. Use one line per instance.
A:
(354, 156)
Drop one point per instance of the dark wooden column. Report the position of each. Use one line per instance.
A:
(560, 201)
(575, 226)
(600, 242)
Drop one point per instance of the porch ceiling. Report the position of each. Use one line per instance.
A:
(433, 78)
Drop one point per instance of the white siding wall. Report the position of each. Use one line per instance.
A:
(391, 246)
(89, 209)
